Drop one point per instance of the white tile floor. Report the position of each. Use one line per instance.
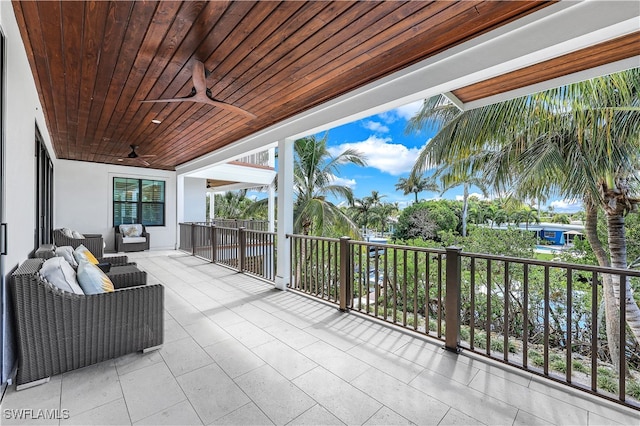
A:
(239, 352)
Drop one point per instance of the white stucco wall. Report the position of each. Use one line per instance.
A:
(195, 200)
(22, 112)
(83, 200)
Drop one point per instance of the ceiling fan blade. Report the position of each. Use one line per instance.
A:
(201, 94)
(228, 107)
(168, 100)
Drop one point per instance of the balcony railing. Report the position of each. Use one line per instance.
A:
(254, 225)
(249, 251)
(542, 317)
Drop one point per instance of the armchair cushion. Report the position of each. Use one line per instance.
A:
(131, 230)
(133, 240)
(66, 252)
(59, 273)
(82, 254)
(93, 280)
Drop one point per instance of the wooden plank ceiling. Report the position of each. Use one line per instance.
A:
(94, 61)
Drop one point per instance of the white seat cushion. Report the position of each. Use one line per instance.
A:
(129, 240)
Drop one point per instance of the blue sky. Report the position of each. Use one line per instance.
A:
(390, 155)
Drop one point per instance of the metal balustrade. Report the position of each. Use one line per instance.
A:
(542, 317)
(249, 251)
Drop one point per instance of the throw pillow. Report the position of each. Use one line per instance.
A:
(133, 230)
(67, 232)
(66, 252)
(92, 279)
(81, 253)
(58, 272)
(76, 234)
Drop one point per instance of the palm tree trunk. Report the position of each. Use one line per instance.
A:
(612, 315)
(465, 209)
(618, 248)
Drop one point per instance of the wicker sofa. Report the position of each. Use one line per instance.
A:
(59, 331)
(123, 246)
(94, 242)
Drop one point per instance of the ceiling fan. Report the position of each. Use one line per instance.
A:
(133, 155)
(201, 93)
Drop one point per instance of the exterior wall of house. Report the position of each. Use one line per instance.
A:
(22, 113)
(83, 200)
(195, 200)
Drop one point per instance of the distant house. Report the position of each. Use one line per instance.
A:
(554, 236)
(554, 233)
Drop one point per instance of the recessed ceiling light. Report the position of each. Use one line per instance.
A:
(156, 121)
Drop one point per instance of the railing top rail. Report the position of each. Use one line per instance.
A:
(311, 237)
(398, 246)
(591, 268)
(257, 231)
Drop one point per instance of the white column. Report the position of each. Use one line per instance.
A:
(271, 206)
(212, 206)
(179, 206)
(285, 211)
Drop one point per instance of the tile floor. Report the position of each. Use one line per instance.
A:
(239, 352)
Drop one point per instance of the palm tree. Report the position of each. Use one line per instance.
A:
(577, 141)
(314, 172)
(415, 184)
(452, 177)
(361, 208)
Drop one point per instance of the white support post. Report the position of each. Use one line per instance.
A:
(271, 207)
(179, 206)
(285, 211)
(212, 206)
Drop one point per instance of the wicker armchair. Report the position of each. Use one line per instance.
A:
(93, 242)
(59, 331)
(121, 245)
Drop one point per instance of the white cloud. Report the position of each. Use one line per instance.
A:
(383, 155)
(478, 195)
(350, 183)
(375, 126)
(566, 206)
(404, 112)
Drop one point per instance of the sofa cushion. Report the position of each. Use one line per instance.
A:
(92, 279)
(81, 253)
(58, 272)
(129, 240)
(131, 230)
(66, 252)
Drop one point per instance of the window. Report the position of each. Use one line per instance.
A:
(138, 201)
(44, 193)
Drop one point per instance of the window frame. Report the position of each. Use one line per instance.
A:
(139, 203)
